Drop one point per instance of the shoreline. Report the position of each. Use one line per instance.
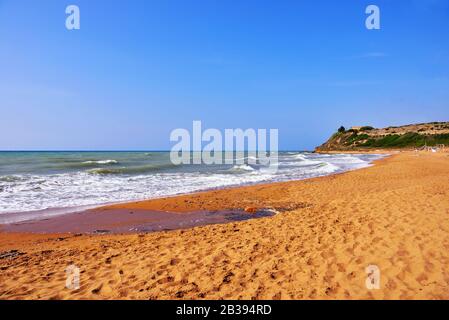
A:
(148, 204)
(31, 217)
(327, 232)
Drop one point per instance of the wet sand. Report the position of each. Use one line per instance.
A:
(328, 230)
(110, 220)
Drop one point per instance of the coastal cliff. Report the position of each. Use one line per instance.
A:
(407, 136)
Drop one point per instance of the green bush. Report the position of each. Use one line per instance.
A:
(354, 138)
(342, 129)
(411, 139)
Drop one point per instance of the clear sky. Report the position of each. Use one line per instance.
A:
(138, 69)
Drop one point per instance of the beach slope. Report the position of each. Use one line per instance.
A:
(393, 215)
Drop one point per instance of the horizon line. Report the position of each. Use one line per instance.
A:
(74, 150)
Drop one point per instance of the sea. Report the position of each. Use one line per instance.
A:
(36, 185)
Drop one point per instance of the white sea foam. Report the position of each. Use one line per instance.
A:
(325, 167)
(242, 167)
(101, 162)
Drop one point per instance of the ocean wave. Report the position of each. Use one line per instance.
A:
(242, 168)
(299, 156)
(11, 178)
(105, 171)
(308, 162)
(325, 167)
(131, 170)
(100, 162)
(254, 159)
(304, 161)
(74, 165)
(239, 169)
(352, 160)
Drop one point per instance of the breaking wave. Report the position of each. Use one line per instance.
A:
(100, 162)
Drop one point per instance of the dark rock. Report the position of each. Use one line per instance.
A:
(10, 254)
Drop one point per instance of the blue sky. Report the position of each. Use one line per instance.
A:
(138, 69)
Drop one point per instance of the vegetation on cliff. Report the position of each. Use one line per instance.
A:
(409, 136)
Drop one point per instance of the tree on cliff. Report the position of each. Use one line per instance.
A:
(342, 129)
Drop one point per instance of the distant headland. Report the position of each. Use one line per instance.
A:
(412, 136)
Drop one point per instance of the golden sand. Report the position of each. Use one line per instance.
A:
(394, 215)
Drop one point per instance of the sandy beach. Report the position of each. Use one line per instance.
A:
(326, 232)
